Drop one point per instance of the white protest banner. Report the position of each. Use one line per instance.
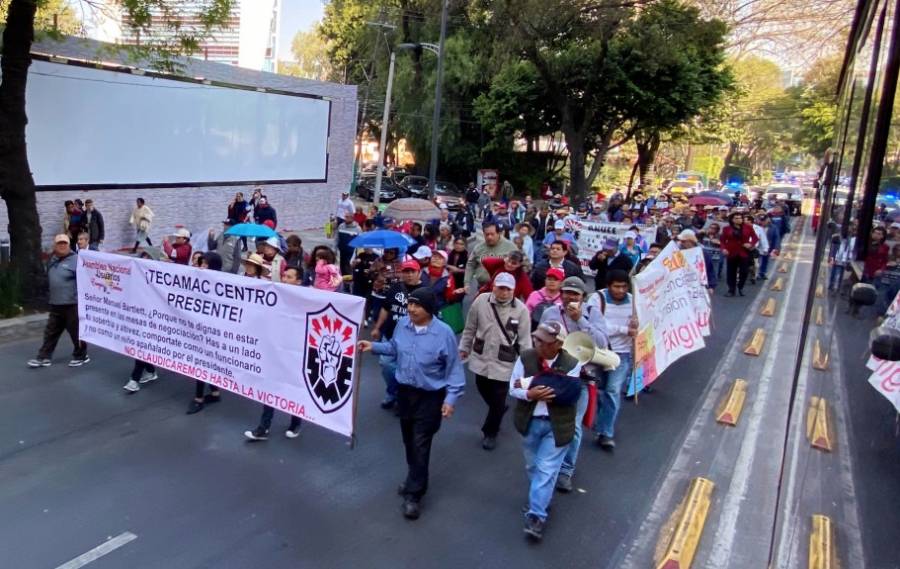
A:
(592, 235)
(886, 374)
(292, 348)
(673, 310)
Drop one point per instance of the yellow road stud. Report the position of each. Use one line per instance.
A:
(820, 357)
(778, 284)
(782, 268)
(820, 316)
(755, 345)
(730, 408)
(818, 429)
(768, 308)
(820, 291)
(678, 541)
(822, 550)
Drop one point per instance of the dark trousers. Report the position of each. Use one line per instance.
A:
(265, 420)
(139, 369)
(494, 394)
(737, 269)
(420, 419)
(62, 318)
(200, 387)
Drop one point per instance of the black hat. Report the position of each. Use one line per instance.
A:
(424, 298)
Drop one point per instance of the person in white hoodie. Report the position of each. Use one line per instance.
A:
(762, 248)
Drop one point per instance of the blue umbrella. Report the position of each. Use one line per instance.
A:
(383, 239)
(251, 230)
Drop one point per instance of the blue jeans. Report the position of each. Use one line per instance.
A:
(568, 465)
(389, 373)
(610, 399)
(763, 266)
(542, 461)
(835, 277)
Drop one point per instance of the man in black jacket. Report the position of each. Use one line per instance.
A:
(556, 258)
(543, 224)
(93, 224)
(606, 260)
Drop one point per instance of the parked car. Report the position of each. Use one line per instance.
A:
(448, 193)
(414, 187)
(398, 174)
(684, 187)
(792, 195)
(365, 189)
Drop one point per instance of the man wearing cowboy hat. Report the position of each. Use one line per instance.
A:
(180, 251)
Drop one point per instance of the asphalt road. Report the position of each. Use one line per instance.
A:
(81, 462)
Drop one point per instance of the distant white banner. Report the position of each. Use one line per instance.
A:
(292, 348)
(885, 376)
(593, 234)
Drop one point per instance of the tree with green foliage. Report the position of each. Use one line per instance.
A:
(610, 69)
(310, 57)
(17, 187)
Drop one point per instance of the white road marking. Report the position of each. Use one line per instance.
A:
(107, 547)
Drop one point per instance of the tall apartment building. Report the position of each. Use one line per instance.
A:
(249, 37)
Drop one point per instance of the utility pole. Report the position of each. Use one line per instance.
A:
(436, 120)
(385, 125)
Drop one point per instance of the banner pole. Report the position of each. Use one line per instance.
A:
(357, 363)
(634, 345)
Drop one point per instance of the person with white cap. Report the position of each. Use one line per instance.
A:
(264, 212)
(423, 255)
(498, 327)
(180, 251)
(560, 234)
(345, 206)
(63, 315)
(576, 316)
(630, 249)
(272, 259)
(545, 418)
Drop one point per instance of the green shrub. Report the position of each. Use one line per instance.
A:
(10, 292)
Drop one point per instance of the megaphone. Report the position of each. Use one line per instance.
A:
(582, 348)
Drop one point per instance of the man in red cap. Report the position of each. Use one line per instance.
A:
(392, 311)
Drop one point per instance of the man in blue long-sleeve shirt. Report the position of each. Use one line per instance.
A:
(431, 379)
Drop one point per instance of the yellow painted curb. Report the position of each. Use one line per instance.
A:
(730, 409)
(820, 316)
(778, 284)
(822, 550)
(788, 256)
(768, 308)
(679, 543)
(755, 345)
(820, 357)
(782, 268)
(818, 429)
(820, 291)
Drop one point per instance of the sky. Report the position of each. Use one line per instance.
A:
(297, 15)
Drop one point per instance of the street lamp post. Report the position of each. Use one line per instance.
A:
(386, 121)
(436, 119)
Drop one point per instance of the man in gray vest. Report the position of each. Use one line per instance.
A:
(576, 316)
(227, 246)
(547, 424)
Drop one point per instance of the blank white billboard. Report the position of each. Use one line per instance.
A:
(100, 128)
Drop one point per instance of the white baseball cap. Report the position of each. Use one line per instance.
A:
(423, 252)
(505, 280)
(560, 224)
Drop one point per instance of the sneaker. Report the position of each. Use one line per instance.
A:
(132, 386)
(77, 362)
(564, 483)
(39, 362)
(194, 407)
(606, 443)
(388, 403)
(534, 527)
(210, 398)
(147, 377)
(489, 443)
(729, 293)
(292, 433)
(257, 434)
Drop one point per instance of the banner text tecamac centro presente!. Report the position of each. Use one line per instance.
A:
(290, 347)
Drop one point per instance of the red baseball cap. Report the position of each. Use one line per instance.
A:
(410, 266)
(557, 274)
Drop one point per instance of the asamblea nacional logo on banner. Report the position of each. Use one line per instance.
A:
(328, 361)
